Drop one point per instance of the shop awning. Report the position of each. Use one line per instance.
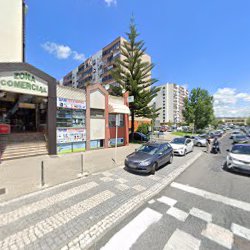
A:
(115, 108)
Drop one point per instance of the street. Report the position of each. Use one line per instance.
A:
(204, 208)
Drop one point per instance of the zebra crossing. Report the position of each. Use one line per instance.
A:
(163, 224)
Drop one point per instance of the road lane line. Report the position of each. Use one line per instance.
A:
(26, 210)
(168, 201)
(127, 236)
(201, 214)
(212, 196)
(177, 213)
(218, 234)
(182, 241)
(240, 231)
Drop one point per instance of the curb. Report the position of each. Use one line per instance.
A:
(88, 238)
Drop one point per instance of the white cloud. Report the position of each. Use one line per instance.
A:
(61, 51)
(228, 102)
(110, 2)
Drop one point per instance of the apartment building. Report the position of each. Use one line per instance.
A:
(170, 99)
(97, 68)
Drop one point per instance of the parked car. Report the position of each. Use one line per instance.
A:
(238, 158)
(236, 132)
(199, 141)
(182, 145)
(149, 157)
(138, 137)
(240, 138)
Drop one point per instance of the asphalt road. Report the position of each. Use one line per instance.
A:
(205, 208)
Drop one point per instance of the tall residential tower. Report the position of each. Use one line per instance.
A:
(170, 99)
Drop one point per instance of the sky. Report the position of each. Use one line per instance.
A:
(193, 43)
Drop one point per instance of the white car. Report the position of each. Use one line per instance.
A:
(182, 145)
(239, 158)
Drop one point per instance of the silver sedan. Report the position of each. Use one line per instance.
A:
(199, 141)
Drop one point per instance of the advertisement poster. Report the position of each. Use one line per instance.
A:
(70, 104)
(69, 135)
(79, 147)
(120, 142)
(64, 148)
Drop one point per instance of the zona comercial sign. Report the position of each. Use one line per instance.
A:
(23, 82)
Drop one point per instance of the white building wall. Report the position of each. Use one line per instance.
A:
(11, 30)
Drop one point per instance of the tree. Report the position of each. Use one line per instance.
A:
(198, 108)
(143, 128)
(134, 75)
(248, 121)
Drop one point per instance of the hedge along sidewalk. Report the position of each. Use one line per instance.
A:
(23, 176)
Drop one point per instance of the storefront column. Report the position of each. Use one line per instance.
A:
(88, 118)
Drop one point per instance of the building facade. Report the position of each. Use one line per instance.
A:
(170, 99)
(97, 68)
(12, 20)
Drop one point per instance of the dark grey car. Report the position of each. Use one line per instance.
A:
(149, 157)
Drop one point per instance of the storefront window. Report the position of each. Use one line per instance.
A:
(97, 113)
(112, 119)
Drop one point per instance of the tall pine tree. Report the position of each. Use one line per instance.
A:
(133, 74)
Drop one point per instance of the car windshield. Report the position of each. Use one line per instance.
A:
(148, 149)
(179, 140)
(241, 149)
(240, 136)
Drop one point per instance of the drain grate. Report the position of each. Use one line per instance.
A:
(2, 191)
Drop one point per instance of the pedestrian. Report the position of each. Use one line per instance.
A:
(216, 145)
(208, 145)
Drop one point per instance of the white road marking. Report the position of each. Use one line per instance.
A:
(168, 201)
(201, 214)
(126, 237)
(241, 231)
(177, 213)
(151, 201)
(219, 235)
(182, 241)
(211, 196)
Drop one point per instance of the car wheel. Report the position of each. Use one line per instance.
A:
(225, 168)
(199, 144)
(185, 152)
(171, 159)
(153, 168)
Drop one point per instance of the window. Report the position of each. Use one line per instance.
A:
(97, 113)
(112, 119)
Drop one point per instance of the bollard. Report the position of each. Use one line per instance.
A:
(42, 174)
(81, 164)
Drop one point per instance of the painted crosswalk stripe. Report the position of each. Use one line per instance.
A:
(240, 231)
(201, 214)
(177, 213)
(212, 196)
(182, 241)
(127, 236)
(218, 234)
(168, 201)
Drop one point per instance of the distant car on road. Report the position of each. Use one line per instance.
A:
(199, 141)
(237, 132)
(182, 145)
(240, 138)
(238, 158)
(149, 157)
(138, 137)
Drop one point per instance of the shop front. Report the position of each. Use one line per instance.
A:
(70, 120)
(27, 101)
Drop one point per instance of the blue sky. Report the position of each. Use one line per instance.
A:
(195, 43)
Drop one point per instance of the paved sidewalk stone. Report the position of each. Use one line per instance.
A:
(74, 215)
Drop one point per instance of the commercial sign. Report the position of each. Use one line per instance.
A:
(23, 82)
(4, 129)
(70, 104)
(69, 135)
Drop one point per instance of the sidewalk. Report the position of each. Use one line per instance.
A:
(23, 176)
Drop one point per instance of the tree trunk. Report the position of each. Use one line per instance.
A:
(132, 122)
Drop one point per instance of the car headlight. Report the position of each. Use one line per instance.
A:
(145, 163)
